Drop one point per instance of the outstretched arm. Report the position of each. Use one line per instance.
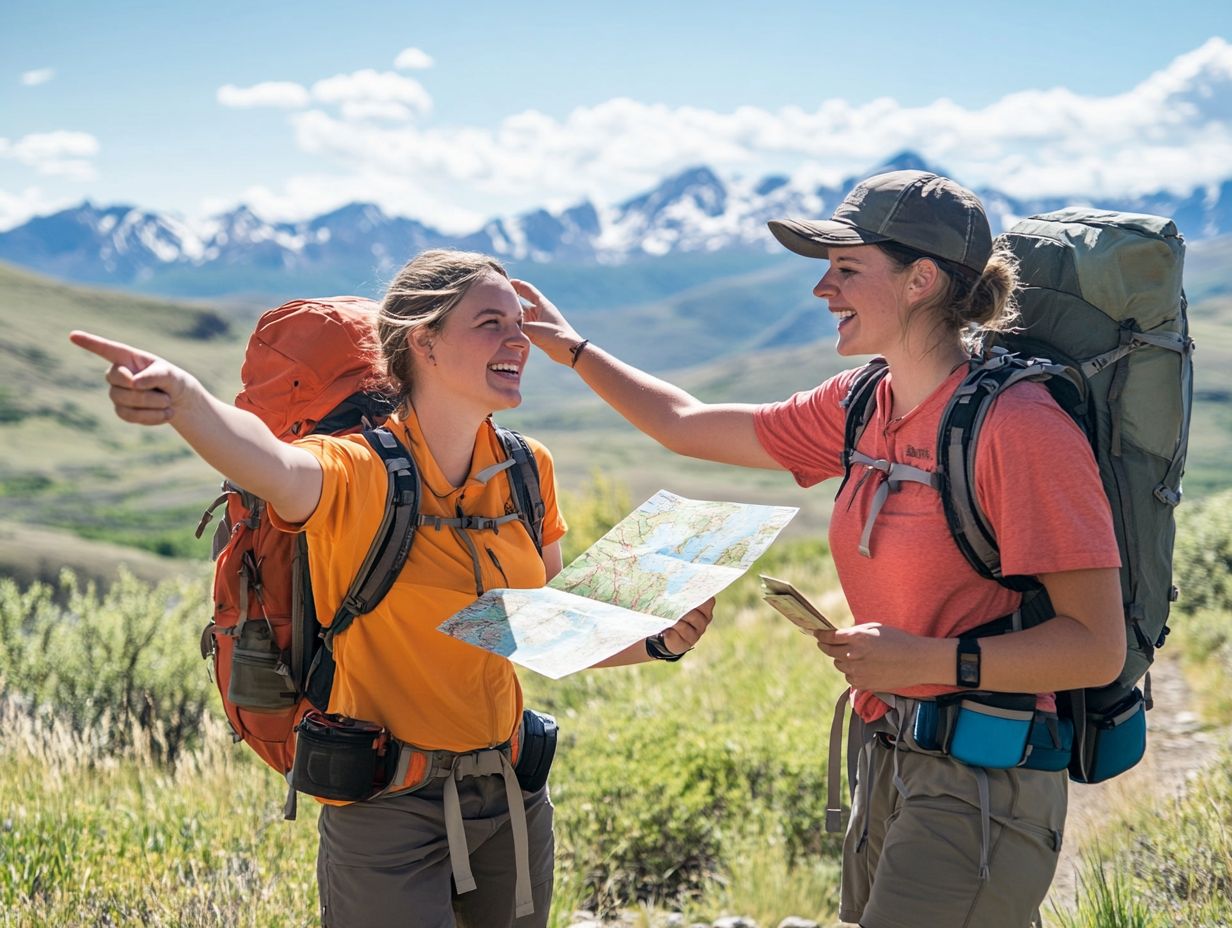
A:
(680, 422)
(147, 390)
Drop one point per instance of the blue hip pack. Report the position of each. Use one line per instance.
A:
(993, 730)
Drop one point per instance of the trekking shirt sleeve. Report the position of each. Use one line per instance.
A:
(554, 525)
(1038, 483)
(347, 486)
(805, 432)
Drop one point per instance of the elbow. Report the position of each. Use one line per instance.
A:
(1109, 660)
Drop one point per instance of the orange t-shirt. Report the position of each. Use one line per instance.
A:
(393, 666)
(1036, 481)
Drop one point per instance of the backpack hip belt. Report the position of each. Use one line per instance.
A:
(345, 759)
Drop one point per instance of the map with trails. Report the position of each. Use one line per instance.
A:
(666, 557)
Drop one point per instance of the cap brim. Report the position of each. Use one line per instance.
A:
(814, 239)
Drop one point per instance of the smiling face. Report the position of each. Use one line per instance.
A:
(868, 294)
(477, 355)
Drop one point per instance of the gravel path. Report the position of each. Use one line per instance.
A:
(1177, 748)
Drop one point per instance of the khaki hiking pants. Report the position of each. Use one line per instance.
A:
(913, 852)
(386, 863)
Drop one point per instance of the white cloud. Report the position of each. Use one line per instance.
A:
(281, 94)
(370, 110)
(19, 206)
(368, 86)
(37, 76)
(1173, 130)
(61, 153)
(413, 59)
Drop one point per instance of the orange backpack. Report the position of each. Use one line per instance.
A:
(311, 367)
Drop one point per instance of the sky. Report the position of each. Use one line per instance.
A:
(454, 113)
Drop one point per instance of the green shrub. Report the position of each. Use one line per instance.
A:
(1202, 561)
(125, 662)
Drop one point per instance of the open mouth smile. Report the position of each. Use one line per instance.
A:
(507, 370)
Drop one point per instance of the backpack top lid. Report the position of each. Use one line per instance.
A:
(1127, 265)
(306, 357)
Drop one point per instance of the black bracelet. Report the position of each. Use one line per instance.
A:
(656, 647)
(576, 351)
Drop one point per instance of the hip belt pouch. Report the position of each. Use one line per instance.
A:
(991, 729)
(536, 749)
(1114, 740)
(342, 758)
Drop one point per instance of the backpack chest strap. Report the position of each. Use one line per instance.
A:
(892, 476)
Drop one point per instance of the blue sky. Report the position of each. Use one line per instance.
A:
(298, 107)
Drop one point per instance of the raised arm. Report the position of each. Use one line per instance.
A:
(680, 422)
(147, 390)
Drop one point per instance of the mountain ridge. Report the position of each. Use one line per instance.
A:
(691, 212)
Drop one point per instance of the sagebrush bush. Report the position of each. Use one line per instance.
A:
(1202, 560)
(128, 657)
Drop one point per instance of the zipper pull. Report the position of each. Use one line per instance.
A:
(492, 555)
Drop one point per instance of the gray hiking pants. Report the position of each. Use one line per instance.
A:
(386, 863)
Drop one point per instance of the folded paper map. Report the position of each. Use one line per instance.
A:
(666, 557)
(795, 605)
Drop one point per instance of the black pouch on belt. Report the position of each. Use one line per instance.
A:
(536, 749)
(342, 758)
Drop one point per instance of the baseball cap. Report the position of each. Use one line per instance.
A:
(924, 211)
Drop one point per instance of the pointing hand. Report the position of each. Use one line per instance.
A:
(145, 389)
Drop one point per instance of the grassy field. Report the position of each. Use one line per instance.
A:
(695, 788)
(664, 794)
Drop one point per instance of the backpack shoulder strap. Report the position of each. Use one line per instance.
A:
(524, 482)
(957, 438)
(859, 404)
(392, 544)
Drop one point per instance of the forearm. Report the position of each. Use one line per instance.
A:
(1060, 654)
(651, 405)
(633, 654)
(239, 446)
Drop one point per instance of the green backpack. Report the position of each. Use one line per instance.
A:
(1104, 328)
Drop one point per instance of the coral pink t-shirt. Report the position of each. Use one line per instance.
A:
(1036, 481)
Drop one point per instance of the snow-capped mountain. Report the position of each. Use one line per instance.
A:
(690, 212)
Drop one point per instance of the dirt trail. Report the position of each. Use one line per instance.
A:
(1178, 746)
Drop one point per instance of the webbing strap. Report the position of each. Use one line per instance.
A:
(894, 475)
(1169, 489)
(472, 523)
(1169, 341)
(981, 783)
(834, 782)
(392, 543)
(486, 763)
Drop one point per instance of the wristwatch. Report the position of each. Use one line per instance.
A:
(968, 672)
(656, 647)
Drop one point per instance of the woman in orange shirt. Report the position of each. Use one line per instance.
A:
(452, 851)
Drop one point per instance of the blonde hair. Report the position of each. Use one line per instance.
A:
(422, 295)
(966, 305)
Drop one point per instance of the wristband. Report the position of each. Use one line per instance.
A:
(967, 673)
(576, 351)
(657, 648)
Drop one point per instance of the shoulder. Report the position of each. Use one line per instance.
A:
(1028, 408)
(827, 395)
(338, 449)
